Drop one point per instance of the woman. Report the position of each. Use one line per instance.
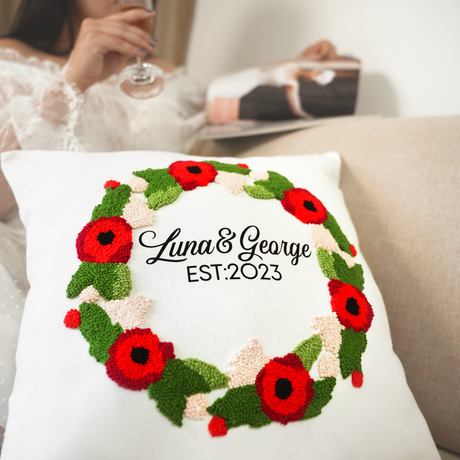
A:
(52, 100)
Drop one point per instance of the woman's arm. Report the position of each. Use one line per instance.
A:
(8, 141)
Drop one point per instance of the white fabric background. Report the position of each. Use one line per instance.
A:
(65, 406)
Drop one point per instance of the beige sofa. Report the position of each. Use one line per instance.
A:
(401, 181)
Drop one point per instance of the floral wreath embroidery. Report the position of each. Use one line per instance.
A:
(261, 390)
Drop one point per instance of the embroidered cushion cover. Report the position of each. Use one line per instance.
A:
(183, 307)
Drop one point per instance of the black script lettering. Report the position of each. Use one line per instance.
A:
(247, 256)
(162, 246)
(306, 250)
(190, 274)
(183, 248)
(263, 244)
(224, 245)
(205, 247)
(273, 248)
(294, 251)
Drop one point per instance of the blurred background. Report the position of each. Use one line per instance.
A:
(409, 48)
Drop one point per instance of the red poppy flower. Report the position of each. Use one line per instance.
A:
(137, 359)
(107, 239)
(352, 308)
(285, 389)
(305, 206)
(191, 174)
(217, 427)
(72, 319)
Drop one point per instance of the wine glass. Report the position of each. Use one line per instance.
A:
(141, 80)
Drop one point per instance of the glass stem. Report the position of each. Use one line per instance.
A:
(138, 62)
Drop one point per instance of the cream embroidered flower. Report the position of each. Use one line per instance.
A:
(89, 295)
(138, 185)
(196, 407)
(232, 182)
(328, 366)
(259, 175)
(246, 364)
(130, 312)
(138, 214)
(328, 327)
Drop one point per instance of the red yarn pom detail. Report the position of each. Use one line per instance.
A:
(72, 319)
(353, 250)
(242, 165)
(112, 183)
(357, 379)
(217, 427)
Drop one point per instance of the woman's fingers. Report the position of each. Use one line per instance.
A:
(322, 50)
(132, 35)
(108, 43)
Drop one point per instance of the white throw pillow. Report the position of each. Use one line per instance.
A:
(196, 286)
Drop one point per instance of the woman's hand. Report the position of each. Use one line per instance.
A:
(323, 50)
(104, 45)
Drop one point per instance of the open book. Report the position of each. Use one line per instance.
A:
(281, 96)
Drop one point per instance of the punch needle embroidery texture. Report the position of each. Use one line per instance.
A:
(260, 390)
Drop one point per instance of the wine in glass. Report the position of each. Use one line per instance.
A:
(141, 80)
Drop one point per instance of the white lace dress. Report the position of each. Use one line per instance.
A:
(39, 110)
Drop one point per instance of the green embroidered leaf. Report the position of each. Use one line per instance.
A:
(334, 267)
(351, 350)
(228, 167)
(161, 198)
(97, 328)
(123, 285)
(213, 377)
(336, 232)
(259, 192)
(240, 406)
(309, 350)
(158, 179)
(323, 394)
(276, 184)
(178, 381)
(112, 280)
(113, 202)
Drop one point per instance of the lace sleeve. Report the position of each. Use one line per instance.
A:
(47, 119)
(41, 108)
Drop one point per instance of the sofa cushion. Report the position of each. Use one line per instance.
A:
(401, 182)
